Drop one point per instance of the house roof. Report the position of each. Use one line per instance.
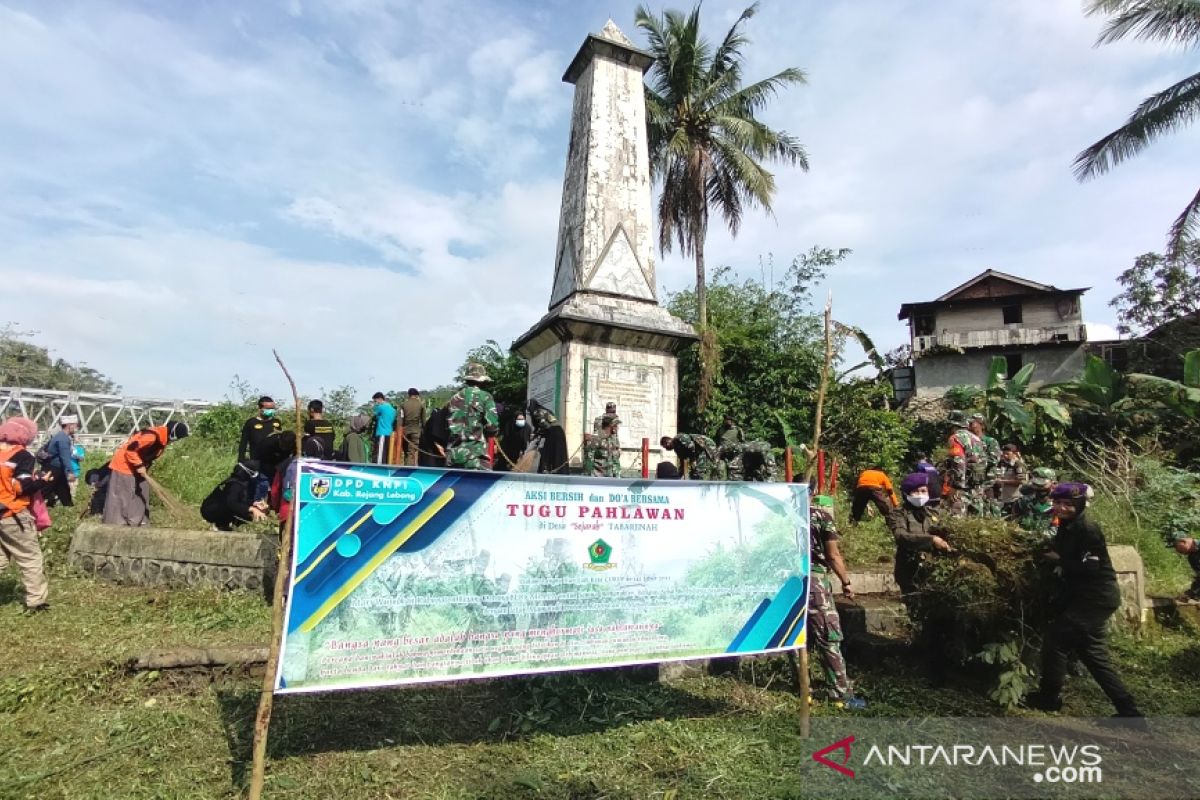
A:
(974, 291)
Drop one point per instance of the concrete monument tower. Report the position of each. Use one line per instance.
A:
(605, 338)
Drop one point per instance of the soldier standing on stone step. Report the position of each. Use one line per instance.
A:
(823, 619)
(472, 419)
(603, 451)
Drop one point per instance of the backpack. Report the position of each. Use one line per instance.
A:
(10, 501)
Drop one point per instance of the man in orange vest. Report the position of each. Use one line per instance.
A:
(128, 498)
(874, 486)
(19, 482)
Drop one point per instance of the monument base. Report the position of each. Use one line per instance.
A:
(593, 350)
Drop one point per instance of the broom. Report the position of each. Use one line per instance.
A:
(173, 504)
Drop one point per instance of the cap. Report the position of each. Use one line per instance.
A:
(957, 417)
(68, 419)
(978, 418)
(1070, 491)
(476, 372)
(913, 481)
(1042, 477)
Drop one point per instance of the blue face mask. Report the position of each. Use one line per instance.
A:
(520, 423)
(268, 412)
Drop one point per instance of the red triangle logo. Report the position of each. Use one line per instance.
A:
(844, 747)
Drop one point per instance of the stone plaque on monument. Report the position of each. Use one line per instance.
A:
(637, 391)
(605, 337)
(544, 386)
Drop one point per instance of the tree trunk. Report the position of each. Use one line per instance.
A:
(701, 288)
(818, 418)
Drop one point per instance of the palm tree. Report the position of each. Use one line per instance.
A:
(707, 147)
(1161, 113)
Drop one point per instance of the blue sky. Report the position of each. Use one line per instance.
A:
(372, 186)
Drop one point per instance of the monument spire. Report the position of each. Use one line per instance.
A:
(605, 235)
(605, 338)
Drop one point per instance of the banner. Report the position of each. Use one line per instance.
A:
(407, 575)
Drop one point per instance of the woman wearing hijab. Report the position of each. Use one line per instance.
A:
(550, 440)
(231, 503)
(512, 442)
(19, 482)
(915, 528)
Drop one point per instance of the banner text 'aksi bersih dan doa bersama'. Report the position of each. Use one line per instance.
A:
(407, 575)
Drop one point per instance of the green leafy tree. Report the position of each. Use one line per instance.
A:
(25, 364)
(861, 430)
(707, 145)
(1015, 412)
(1158, 290)
(770, 350)
(1175, 22)
(508, 371)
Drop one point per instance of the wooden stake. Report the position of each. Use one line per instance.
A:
(788, 470)
(816, 447)
(645, 457)
(266, 700)
(805, 709)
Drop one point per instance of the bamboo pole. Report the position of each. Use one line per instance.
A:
(266, 700)
(645, 457)
(816, 446)
(799, 662)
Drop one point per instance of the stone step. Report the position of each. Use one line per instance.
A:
(875, 616)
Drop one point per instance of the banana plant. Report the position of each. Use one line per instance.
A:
(1182, 398)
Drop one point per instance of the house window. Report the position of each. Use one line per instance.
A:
(1013, 361)
(923, 323)
(1012, 314)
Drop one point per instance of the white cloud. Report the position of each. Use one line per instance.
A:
(373, 185)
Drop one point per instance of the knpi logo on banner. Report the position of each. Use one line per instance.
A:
(359, 489)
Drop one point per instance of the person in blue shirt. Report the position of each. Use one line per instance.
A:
(385, 426)
(59, 453)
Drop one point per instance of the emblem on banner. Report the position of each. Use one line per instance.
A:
(599, 552)
(319, 487)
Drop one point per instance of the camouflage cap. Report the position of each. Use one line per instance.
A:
(1042, 477)
(475, 372)
(979, 418)
(957, 417)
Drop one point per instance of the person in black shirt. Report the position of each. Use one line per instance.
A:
(434, 436)
(231, 503)
(320, 428)
(1089, 597)
(255, 433)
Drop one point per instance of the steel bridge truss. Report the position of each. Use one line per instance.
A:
(105, 420)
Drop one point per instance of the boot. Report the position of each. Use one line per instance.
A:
(1041, 702)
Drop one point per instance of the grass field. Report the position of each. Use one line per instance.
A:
(75, 723)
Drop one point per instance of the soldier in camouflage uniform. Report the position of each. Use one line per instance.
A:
(699, 453)
(604, 450)
(966, 469)
(1033, 510)
(824, 624)
(730, 433)
(472, 419)
(751, 461)
(991, 445)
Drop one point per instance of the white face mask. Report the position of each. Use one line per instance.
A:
(917, 500)
(520, 423)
